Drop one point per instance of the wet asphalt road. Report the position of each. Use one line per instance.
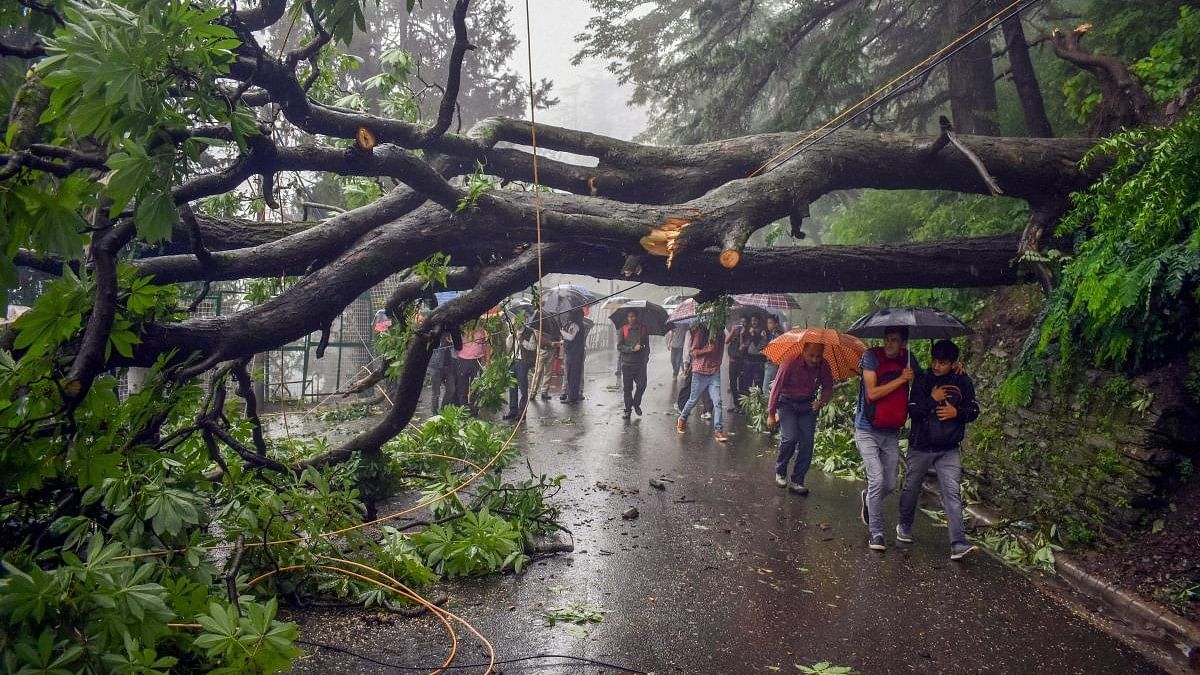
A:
(723, 572)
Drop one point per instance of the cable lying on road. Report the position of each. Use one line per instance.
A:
(534, 657)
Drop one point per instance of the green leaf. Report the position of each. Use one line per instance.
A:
(155, 215)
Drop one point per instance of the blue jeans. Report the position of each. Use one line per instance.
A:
(700, 383)
(949, 471)
(797, 424)
(880, 451)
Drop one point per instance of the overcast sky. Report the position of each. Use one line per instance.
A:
(591, 99)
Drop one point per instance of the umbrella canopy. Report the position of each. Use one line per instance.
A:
(842, 352)
(923, 323)
(685, 310)
(549, 324)
(736, 314)
(519, 306)
(653, 317)
(672, 324)
(781, 301)
(565, 297)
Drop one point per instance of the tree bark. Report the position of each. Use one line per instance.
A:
(1033, 107)
(972, 82)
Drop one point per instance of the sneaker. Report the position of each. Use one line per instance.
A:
(545, 396)
(706, 416)
(625, 415)
(680, 425)
(864, 514)
(903, 535)
(563, 398)
(638, 409)
(720, 436)
(876, 543)
(798, 489)
(781, 481)
(960, 551)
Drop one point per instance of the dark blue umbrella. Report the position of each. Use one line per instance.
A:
(923, 323)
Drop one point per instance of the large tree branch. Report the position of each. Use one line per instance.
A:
(266, 14)
(724, 217)
(495, 284)
(289, 255)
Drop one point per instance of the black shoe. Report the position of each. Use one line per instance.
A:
(625, 415)
(864, 514)
(563, 398)
(638, 409)
(545, 396)
(511, 416)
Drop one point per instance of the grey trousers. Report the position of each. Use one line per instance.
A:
(949, 472)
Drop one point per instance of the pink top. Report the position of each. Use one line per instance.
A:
(474, 349)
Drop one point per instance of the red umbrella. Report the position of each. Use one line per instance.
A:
(767, 300)
(685, 310)
(843, 352)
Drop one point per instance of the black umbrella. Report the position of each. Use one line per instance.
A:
(653, 317)
(923, 323)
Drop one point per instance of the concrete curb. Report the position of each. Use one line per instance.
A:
(1127, 605)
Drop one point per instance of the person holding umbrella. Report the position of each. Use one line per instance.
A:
(574, 336)
(883, 398)
(633, 346)
(811, 360)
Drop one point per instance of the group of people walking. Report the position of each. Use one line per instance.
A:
(894, 390)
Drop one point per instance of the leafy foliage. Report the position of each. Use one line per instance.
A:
(834, 451)
(1129, 292)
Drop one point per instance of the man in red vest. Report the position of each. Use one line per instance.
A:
(882, 412)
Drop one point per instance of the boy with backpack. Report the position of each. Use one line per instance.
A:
(882, 412)
(941, 406)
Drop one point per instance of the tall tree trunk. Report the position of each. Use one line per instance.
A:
(1025, 80)
(972, 84)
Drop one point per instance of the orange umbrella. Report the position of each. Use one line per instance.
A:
(842, 352)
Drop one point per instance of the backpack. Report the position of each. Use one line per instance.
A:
(891, 411)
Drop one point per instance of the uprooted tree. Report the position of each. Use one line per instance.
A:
(133, 116)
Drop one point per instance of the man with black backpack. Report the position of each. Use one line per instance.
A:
(941, 406)
(882, 412)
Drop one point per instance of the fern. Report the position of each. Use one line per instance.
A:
(1137, 251)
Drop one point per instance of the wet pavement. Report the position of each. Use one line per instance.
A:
(722, 572)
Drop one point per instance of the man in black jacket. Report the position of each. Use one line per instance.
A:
(941, 405)
(633, 348)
